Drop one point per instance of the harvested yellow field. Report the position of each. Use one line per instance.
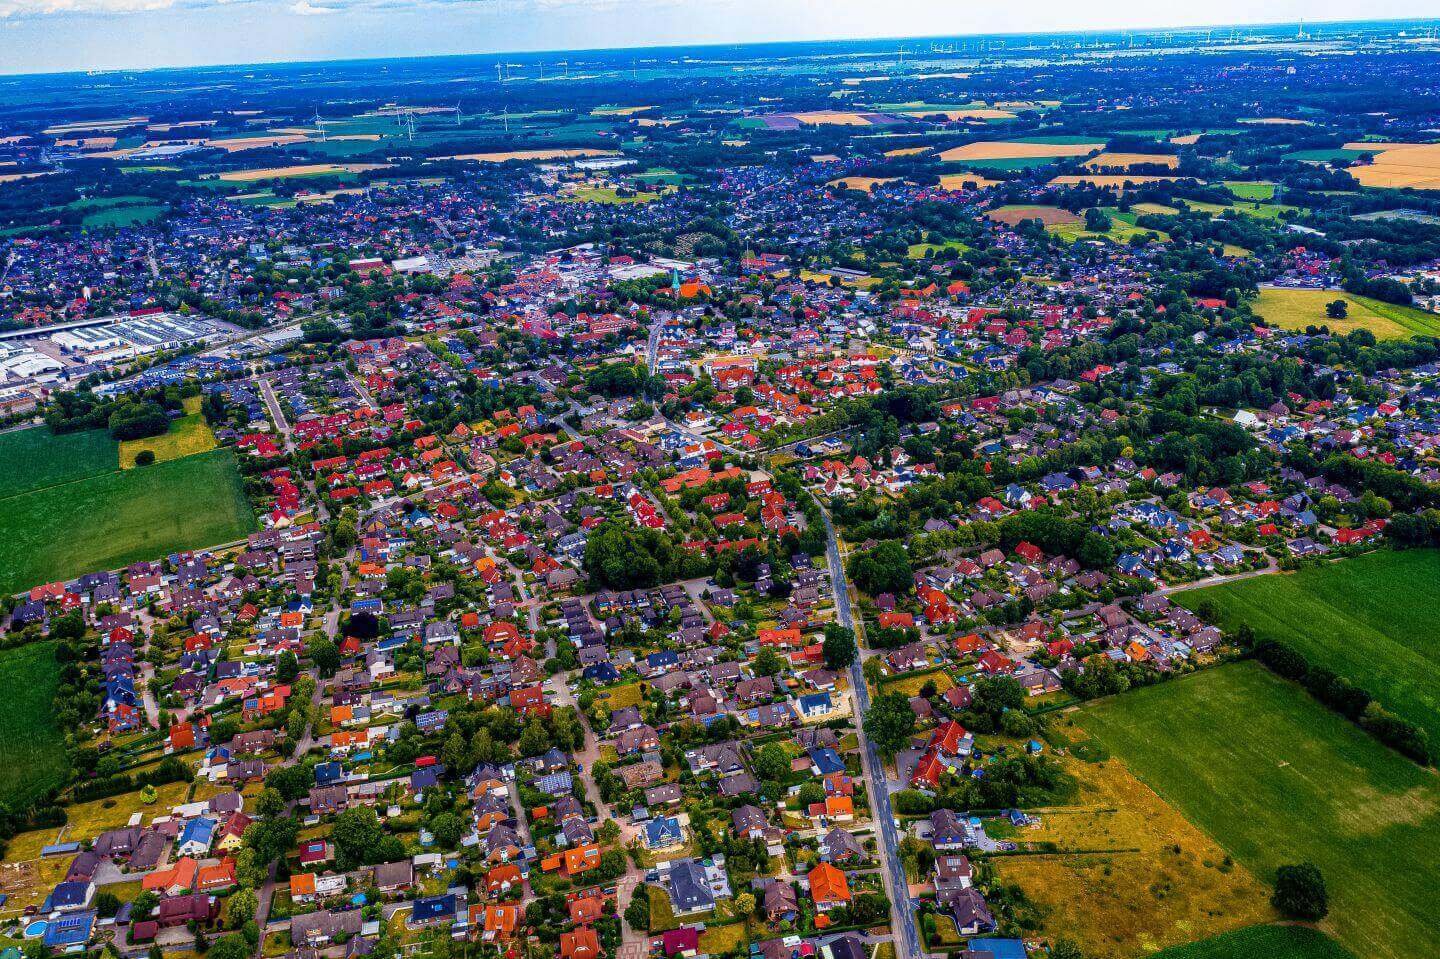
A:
(1127, 160)
(618, 111)
(1016, 150)
(367, 137)
(1114, 181)
(938, 76)
(12, 177)
(1407, 165)
(94, 126)
(862, 183)
(255, 143)
(1156, 208)
(1278, 122)
(573, 154)
(966, 181)
(87, 143)
(907, 152)
(831, 118)
(1186, 139)
(1146, 879)
(300, 169)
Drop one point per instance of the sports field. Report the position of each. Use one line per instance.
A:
(1297, 309)
(107, 520)
(1270, 942)
(32, 748)
(1372, 619)
(1277, 778)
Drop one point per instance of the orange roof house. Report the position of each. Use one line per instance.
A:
(828, 886)
(583, 943)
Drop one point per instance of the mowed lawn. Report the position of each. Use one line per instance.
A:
(1297, 309)
(109, 520)
(1277, 778)
(32, 748)
(35, 458)
(1262, 942)
(1374, 620)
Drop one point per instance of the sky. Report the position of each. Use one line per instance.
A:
(56, 35)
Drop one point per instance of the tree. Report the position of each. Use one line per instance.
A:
(884, 569)
(241, 907)
(325, 655)
(745, 904)
(144, 457)
(232, 945)
(771, 763)
(839, 648)
(1300, 892)
(287, 667)
(637, 913)
(889, 722)
(1337, 309)
(357, 834)
(768, 662)
(448, 829)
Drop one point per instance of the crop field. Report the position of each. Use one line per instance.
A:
(1117, 884)
(1048, 215)
(32, 748)
(188, 435)
(1297, 309)
(1271, 942)
(1017, 150)
(298, 170)
(1371, 619)
(35, 458)
(1276, 778)
(1414, 165)
(966, 181)
(1128, 160)
(110, 519)
(864, 184)
(502, 157)
(1114, 181)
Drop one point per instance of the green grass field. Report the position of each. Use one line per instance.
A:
(32, 748)
(1297, 309)
(111, 519)
(35, 458)
(1277, 778)
(1122, 228)
(1371, 619)
(1251, 189)
(1262, 942)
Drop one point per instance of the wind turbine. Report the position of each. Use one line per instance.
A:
(320, 125)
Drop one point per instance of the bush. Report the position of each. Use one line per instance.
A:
(144, 457)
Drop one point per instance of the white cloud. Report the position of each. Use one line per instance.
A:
(304, 8)
(34, 8)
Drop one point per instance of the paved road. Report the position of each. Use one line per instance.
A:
(897, 887)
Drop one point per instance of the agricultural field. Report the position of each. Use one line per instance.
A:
(608, 195)
(502, 157)
(32, 747)
(966, 181)
(1114, 181)
(35, 458)
(1017, 150)
(100, 213)
(1141, 877)
(1298, 309)
(1371, 619)
(1048, 215)
(1276, 778)
(1399, 165)
(864, 184)
(918, 251)
(299, 171)
(1271, 942)
(110, 519)
(1129, 160)
(188, 435)
(1122, 229)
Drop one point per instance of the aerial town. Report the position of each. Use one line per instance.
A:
(972, 500)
